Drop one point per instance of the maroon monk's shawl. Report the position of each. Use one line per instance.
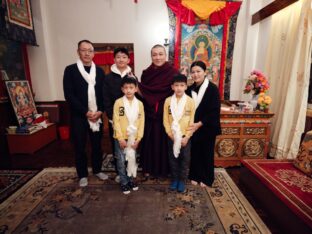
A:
(156, 83)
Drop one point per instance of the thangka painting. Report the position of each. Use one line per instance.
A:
(202, 42)
(19, 13)
(22, 101)
(210, 38)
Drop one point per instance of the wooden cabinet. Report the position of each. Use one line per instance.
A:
(30, 143)
(244, 135)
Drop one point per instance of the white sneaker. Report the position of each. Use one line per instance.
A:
(117, 179)
(83, 182)
(102, 176)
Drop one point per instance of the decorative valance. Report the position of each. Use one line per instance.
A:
(203, 8)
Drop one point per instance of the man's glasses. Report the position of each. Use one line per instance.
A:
(86, 51)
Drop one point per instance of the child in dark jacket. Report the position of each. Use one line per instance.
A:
(112, 84)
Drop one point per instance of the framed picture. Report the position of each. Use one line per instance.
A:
(19, 13)
(22, 101)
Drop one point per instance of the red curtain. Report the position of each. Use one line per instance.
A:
(183, 16)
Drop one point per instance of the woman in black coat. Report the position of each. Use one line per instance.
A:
(206, 125)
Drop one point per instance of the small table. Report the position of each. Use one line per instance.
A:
(28, 143)
(244, 136)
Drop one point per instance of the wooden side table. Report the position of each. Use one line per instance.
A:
(244, 136)
(30, 143)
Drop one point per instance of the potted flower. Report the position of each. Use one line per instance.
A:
(256, 83)
(264, 101)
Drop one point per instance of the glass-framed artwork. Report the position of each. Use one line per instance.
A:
(22, 101)
(19, 13)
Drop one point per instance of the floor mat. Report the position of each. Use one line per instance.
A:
(11, 180)
(53, 202)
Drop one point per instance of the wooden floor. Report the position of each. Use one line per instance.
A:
(60, 154)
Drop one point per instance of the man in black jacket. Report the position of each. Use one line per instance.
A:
(83, 92)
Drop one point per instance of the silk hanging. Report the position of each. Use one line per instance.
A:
(219, 59)
(203, 8)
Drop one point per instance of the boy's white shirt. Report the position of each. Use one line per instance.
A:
(198, 97)
(177, 110)
(90, 79)
(132, 114)
(117, 71)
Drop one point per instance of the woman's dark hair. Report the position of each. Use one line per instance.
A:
(199, 64)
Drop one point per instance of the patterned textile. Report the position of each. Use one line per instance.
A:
(172, 25)
(290, 185)
(53, 202)
(202, 42)
(183, 48)
(304, 158)
(22, 32)
(11, 59)
(11, 180)
(229, 56)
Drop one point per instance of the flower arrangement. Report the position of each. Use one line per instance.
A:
(264, 101)
(256, 83)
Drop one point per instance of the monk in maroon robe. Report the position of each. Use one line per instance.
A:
(155, 87)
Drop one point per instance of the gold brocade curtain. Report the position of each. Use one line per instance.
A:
(203, 8)
(288, 67)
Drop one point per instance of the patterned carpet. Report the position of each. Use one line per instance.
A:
(52, 202)
(11, 180)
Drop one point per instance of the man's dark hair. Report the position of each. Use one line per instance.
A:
(82, 41)
(121, 50)
(128, 80)
(179, 79)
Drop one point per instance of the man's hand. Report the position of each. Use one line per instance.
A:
(195, 126)
(89, 114)
(184, 141)
(94, 116)
(122, 143)
(171, 137)
(135, 145)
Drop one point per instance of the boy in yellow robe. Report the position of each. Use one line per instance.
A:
(128, 123)
(179, 111)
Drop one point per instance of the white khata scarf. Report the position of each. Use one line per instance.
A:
(132, 113)
(177, 110)
(198, 97)
(122, 74)
(90, 79)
